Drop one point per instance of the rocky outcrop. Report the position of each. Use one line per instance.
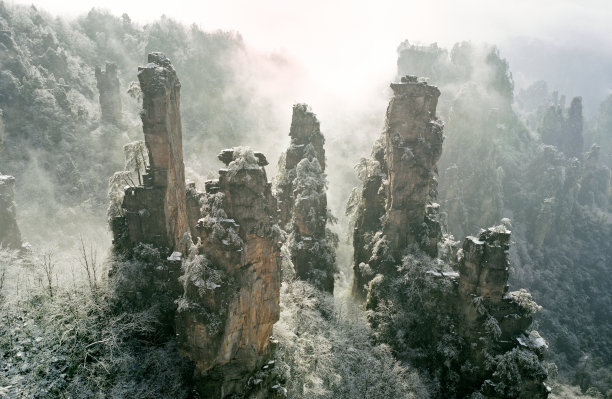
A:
(301, 191)
(454, 318)
(232, 278)
(225, 241)
(464, 329)
(306, 142)
(9, 231)
(564, 129)
(494, 322)
(110, 95)
(396, 212)
(413, 143)
(483, 266)
(156, 212)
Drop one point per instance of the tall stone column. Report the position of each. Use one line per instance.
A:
(156, 212)
(110, 94)
(396, 212)
(161, 123)
(303, 201)
(231, 287)
(413, 142)
(9, 231)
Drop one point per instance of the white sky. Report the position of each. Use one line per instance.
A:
(345, 33)
(348, 47)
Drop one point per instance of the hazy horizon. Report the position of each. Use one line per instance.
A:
(329, 38)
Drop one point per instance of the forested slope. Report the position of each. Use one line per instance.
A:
(55, 143)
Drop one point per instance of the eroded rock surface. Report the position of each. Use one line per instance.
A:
(156, 212)
(110, 95)
(462, 328)
(226, 242)
(396, 211)
(9, 231)
(232, 279)
(452, 316)
(492, 321)
(413, 143)
(484, 264)
(301, 191)
(306, 142)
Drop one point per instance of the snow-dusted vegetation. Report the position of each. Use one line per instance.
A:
(359, 306)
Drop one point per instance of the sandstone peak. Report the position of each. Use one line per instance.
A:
(110, 95)
(163, 195)
(397, 213)
(303, 201)
(228, 296)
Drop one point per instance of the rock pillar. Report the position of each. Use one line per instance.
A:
(110, 95)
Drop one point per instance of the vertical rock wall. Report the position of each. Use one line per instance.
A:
(484, 265)
(229, 287)
(232, 287)
(553, 181)
(161, 123)
(396, 216)
(413, 142)
(396, 211)
(306, 142)
(492, 321)
(301, 190)
(110, 95)
(9, 231)
(157, 212)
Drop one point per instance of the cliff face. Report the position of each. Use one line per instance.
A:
(554, 182)
(476, 107)
(483, 266)
(306, 142)
(232, 280)
(161, 123)
(462, 328)
(303, 201)
(494, 322)
(494, 166)
(9, 231)
(156, 212)
(396, 210)
(413, 142)
(454, 318)
(483, 289)
(110, 95)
